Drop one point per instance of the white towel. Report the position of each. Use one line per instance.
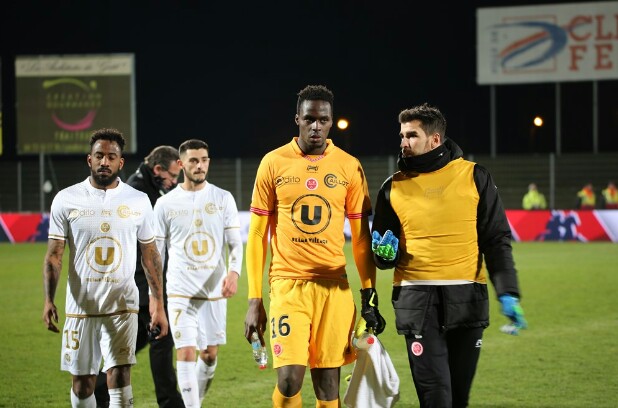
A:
(374, 381)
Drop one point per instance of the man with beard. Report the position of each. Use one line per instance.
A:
(197, 223)
(155, 176)
(101, 219)
(441, 217)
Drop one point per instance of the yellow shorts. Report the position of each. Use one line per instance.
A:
(311, 323)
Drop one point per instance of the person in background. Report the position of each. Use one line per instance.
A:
(533, 199)
(303, 191)
(609, 196)
(586, 198)
(101, 219)
(155, 176)
(158, 173)
(436, 221)
(198, 224)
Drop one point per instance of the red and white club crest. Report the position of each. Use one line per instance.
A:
(417, 348)
(277, 349)
(311, 184)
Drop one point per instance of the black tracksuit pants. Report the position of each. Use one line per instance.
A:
(443, 363)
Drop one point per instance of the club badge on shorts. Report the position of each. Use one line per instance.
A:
(417, 348)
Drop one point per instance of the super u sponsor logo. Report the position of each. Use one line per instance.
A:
(311, 213)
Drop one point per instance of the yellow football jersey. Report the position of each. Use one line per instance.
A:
(308, 198)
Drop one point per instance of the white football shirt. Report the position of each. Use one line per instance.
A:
(101, 228)
(193, 225)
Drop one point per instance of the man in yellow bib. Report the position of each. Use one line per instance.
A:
(609, 196)
(533, 199)
(303, 191)
(441, 217)
(586, 198)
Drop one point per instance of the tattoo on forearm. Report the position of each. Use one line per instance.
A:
(52, 268)
(153, 269)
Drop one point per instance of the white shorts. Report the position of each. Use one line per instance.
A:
(197, 323)
(85, 341)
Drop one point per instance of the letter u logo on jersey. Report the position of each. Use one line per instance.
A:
(109, 257)
(195, 247)
(317, 215)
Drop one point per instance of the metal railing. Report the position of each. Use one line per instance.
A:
(558, 177)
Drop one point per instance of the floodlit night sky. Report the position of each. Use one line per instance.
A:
(228, 72)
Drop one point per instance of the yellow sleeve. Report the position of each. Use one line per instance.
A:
(257, 244)
(361, 249)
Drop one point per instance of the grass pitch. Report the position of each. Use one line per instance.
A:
(567, 357)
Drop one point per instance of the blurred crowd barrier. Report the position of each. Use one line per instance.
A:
(540, 225)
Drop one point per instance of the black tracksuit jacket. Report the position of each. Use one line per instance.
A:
(464, 305)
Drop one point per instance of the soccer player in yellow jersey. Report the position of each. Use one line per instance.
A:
(303, 191)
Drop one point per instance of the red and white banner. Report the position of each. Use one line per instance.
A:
(545, 225)
(564, 225)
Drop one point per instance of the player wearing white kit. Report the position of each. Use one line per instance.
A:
(198, 223)
(101, 219)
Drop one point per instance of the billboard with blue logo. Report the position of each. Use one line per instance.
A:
(547, 43)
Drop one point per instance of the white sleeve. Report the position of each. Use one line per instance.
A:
(160, 229)
(234, 243)
(232, 235)
(58, 225)
(145, 233)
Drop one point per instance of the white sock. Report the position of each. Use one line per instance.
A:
(121, 397)
(204, 373)
(187, 382)
(89, 402)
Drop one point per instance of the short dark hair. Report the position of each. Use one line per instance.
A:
(315, 93)
(193, 144)
(163, 156)
(432, 120)
(109, 134)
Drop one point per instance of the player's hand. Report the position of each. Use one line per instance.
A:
(153, 333)
(158, 319)
(230, 284)
(370, 312)
(255, 320)
(50, 316)
(513, 310)
(384, 246)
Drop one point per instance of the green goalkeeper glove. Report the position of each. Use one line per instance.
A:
(384, 247)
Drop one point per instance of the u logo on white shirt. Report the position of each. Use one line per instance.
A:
(109, 256)
(195, 247)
